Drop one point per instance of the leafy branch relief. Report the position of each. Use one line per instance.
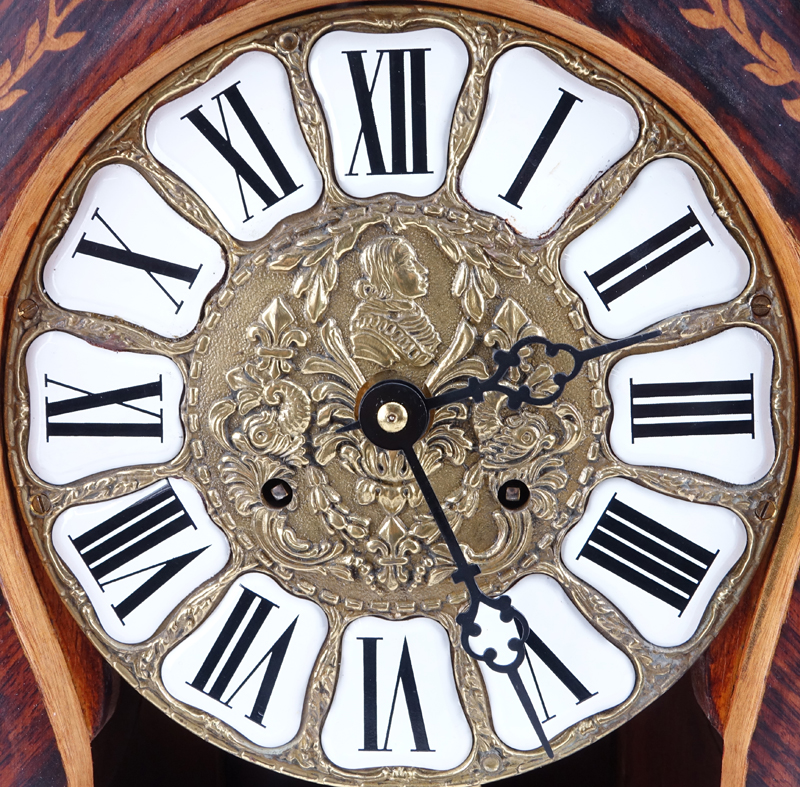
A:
(37, 43)
(774, 66)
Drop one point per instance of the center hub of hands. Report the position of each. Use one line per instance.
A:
(393, 414)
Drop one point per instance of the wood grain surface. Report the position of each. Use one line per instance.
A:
(78, 74)
(28, 753)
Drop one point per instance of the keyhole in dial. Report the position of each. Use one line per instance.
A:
(277, 493)
(513, 494)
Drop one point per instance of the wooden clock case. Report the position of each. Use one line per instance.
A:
(745, 682)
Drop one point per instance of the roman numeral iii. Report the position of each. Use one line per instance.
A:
(695, 407)
(646, 554)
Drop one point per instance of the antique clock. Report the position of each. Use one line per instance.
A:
(400, 394)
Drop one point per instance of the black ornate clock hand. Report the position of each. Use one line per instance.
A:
(506, 360)
(393, 415)
(466, 572)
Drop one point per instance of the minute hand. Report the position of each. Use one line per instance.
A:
(509, 359)
(466, 572)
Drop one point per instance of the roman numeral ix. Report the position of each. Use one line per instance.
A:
(220, 688)
(364, 91)
(124, 256)
(650, 556)
(613, 290)
(540, 148)
(222, 144)
(90, 401)
(406, 680)
(120, 539)
(695, 406)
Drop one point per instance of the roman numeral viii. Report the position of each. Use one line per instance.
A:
(417, 108)
(114, 544)
(91, 401)
(244, 171)
(124, 256)
(611, 279)
(692, 408)
(236, 644)
(650, 556)
(406, 680)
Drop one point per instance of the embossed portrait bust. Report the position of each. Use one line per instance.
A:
(389, 325)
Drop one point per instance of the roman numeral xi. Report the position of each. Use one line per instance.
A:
(243, 170)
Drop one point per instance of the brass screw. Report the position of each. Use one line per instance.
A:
(760, 305)
(288, 42)
(40, 504)
(27, 309)
(765, 509)
(491, 762)
(392, 417)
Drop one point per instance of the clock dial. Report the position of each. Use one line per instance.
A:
(392, 399)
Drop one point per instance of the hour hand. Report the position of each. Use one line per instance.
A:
(505, 360)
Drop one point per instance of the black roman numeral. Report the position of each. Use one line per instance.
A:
(650, 552)
(89, 401)
(221, 685)
(124, 256)
(405, 678)
(540, 148)
(708, 401)
(397, 104)
(656, 265)
(122, 538)
(244, 172)
(558, 668)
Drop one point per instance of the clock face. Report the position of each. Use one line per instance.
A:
(400, 395)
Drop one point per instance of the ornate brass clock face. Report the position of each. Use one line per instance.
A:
(399, 395)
